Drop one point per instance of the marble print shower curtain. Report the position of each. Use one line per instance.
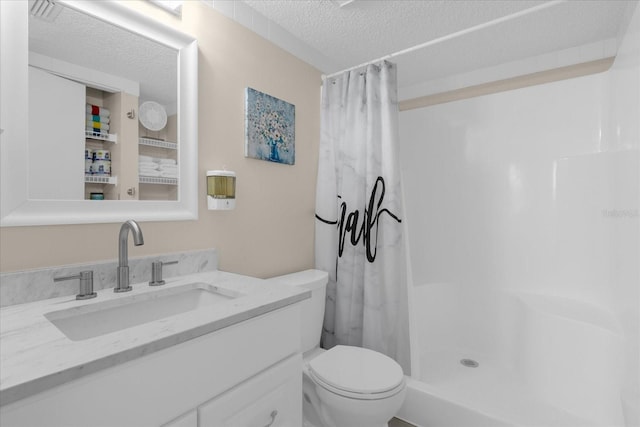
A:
(359, 230)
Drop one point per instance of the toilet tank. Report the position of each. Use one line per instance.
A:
(312, 309)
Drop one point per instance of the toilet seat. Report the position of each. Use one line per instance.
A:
(357, 373)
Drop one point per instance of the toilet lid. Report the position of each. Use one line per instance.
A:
(357, 370)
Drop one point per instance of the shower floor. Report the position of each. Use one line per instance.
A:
(490, 389)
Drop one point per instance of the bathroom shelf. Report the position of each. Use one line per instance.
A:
(157, 180)
(100, 179)
(112, 137)
(158, 143)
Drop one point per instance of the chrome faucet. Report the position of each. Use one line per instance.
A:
(123, 256)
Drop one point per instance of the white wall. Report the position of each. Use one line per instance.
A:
(518, 190)
(534, 189)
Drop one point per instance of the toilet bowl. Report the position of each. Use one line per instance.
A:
(344, 386)
(352, 386)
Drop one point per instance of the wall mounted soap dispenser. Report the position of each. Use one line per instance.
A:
(221, 190)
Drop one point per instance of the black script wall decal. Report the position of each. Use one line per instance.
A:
(349, 223)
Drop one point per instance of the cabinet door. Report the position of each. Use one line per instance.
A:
(272, 398)
(56, 137)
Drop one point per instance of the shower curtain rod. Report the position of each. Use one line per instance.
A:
(451, 36)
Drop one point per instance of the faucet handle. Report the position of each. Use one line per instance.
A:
(156, 272)
(86, 284)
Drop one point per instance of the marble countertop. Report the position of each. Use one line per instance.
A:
(36, 356)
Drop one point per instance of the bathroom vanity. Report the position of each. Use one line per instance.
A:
(206, 349)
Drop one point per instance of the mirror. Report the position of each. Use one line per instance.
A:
(110, 59)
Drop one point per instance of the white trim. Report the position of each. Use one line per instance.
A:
(131, 20)
(14, 46)
(87, 76)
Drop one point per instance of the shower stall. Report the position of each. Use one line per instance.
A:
(523, 234)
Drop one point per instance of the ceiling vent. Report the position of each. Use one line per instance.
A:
(47, 10)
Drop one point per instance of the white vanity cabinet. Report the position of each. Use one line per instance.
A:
(236, 376)
(270, 399)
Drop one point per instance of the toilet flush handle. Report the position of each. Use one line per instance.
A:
(273, 416)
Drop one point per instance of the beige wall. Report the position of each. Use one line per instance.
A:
(271, 230)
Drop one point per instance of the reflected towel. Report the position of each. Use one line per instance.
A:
(97, 118)
(169, 174)
(148, 172)
(97, 111)
(168, 167)
(167, 162)
(100, 132)
(148, 165)
(98, 125)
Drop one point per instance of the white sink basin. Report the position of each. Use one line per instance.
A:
(92, 320)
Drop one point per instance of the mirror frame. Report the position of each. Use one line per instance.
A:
(16, 209)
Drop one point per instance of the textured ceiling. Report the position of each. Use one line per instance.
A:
(89, 42)
(479, 34)
(364, 30)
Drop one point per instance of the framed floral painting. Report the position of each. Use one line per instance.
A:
(269, 128)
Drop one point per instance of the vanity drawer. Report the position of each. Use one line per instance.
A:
(272, 398)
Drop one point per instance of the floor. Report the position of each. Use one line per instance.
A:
(395, 422)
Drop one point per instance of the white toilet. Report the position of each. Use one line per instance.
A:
(345, 386)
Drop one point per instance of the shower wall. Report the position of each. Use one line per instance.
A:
(534, 190)
(524, 189)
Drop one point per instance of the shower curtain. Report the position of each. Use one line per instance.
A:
(359, 230)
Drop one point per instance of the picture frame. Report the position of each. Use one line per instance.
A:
(269, 128)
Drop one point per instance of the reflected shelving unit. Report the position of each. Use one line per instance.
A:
(159, 145)
(97, 183)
